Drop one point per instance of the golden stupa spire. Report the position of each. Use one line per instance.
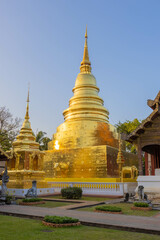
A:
(27, 109)
(26, 139)
(85, 64)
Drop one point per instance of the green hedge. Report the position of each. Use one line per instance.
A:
(71, 192)
(141, 204)
(60, 220)
(32, 200)
(109, 208)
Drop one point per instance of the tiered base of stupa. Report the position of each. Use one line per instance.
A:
(87, 162)
(94, 169)
(21, 180)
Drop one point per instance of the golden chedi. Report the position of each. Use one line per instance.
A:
(85, 145)
(26, 161)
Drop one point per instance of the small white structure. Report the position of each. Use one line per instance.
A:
(151, 185)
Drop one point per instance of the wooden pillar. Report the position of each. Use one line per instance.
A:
(153, 164)
(140, 164)
(146, 164)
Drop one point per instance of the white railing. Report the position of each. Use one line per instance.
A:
(94, 188)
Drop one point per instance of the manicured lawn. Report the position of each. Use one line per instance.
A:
(99, 199)
(126, 209)
(14, 228)
(51, 204)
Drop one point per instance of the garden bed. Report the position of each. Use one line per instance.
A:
(108, 209)
(107, 212)
(56, 221)
(60, 224)
(31, 203)
(142, 208)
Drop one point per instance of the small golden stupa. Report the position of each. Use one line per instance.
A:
(26, 160)
(86, 145)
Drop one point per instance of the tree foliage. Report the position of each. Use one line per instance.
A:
(42, 140)
(9, 128)
(126, 128)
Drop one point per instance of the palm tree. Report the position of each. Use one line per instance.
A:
(42, 140)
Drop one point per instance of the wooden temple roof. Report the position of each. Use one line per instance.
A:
(155, 105)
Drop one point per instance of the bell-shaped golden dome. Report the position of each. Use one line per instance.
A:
(86, 104)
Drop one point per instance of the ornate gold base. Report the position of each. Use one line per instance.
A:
(89, 162)
(90, 180)
(22, 179)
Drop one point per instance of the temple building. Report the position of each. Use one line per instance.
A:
(147, 139)
(85, 145)
(26, 162)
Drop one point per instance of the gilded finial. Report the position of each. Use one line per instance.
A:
(27, 109)
(86, 33)
(28, 95)
(85, 64)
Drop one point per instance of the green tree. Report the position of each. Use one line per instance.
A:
(126, 128)
(9, 128)
(42, 140)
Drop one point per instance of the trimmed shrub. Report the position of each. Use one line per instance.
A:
(8, 199)
(141, 204)
(107, 208)
(32, 200)
(60, 220)
(71, 192)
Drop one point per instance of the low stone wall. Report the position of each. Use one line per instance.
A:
(117, 189)
(23, 192)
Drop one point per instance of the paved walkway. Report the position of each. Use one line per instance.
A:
(115, 221)
(77, 203)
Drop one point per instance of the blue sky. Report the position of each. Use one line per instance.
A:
(41, 42)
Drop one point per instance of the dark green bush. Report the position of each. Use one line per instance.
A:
(60, 220)
(141, 204)
(109, 208)
(71, 192)
(8, 199)
(32, 200)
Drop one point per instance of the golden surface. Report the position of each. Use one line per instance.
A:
(85, 145)
(90, 162)
(90, 180)
(84, 148)
(86, 104)
(130, 172)
(26, 160)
